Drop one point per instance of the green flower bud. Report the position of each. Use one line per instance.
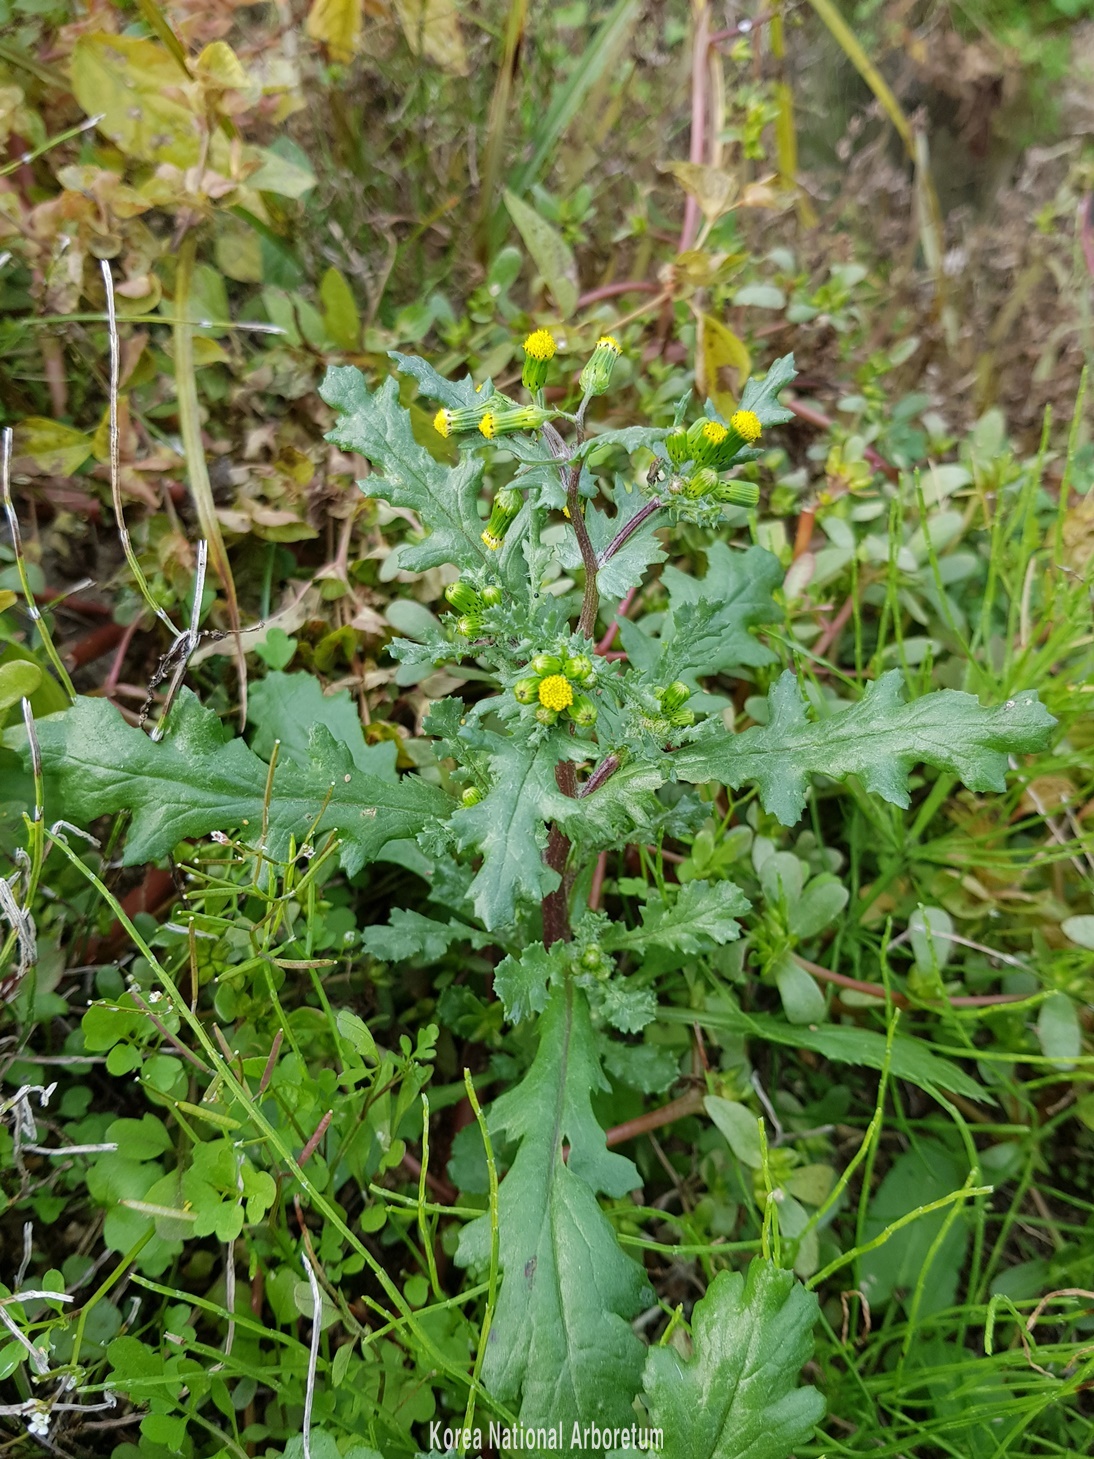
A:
(463, 597)
(583, 711)
(700, 482)
(469, 624)
(492, 595)
(579, 667)
(676, 444)
(545, 715)
(738, 493)
(597, 374)
(507, 504)
(539, 351)
(526, 691)
(547, 664)
(674, 697)
(682, 718)
(471, 796)
(503, 422)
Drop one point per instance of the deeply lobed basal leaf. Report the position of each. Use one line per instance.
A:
(195, 781)
(737, 1398)
(880, 739)
(561, 1337)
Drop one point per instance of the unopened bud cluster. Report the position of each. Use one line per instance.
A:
(672, 700)
(550, 686)
(470, 603)
(699, 452)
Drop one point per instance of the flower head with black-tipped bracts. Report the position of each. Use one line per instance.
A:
(539, 351)
(597, 374)
(705, 441)
(465, 418)
(514, 418)
(507, 505)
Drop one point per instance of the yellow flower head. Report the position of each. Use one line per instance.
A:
(488, 425)
(747, 425)
(555, 692)
(540, 345)
(440, 422)
(715, 432)
(608, 342)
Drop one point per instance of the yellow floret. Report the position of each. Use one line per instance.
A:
(488, 426)
(492, 540)
(556, 692)
(606, 341)
(540, 345)
(440, 422)
(747, 425)
(715, 432)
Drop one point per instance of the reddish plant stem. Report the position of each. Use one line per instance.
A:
(818, 418)
(445, 1192)
(697, 150)
(804, 534)
(87, 606)
(320, 1130)
(590, 604)
(93, 645)
(835, 628)
(620, 613)
(623, 536)
(604, 771)
(271, 1062)
(900, 1000)
(556, 904)
(1086, 231)
(596, 890)
(110, 683)
(679, 1109)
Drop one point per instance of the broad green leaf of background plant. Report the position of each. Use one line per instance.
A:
(446, 499)
(561, 1336)
(719, 348)
(737, 1398)
(550, 253)
(432, 30)
(926, 1173)
(879, 739)
(196, 781)
(138, 86)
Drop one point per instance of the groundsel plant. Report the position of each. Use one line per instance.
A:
(562, 747)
